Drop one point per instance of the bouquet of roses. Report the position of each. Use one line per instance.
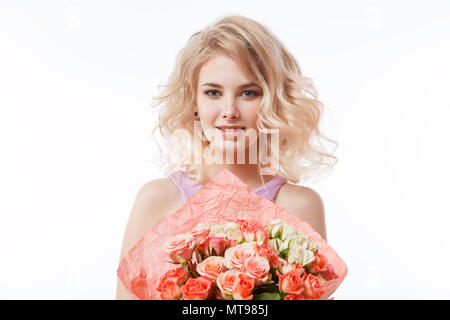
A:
(244, 260)
(228, 242)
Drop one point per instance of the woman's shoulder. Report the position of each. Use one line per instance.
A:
(305, 203)
(161, 193)
(299, 195)
(155, 200)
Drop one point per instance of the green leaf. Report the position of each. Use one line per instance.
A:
(267, 296)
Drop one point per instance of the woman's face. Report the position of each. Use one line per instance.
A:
(226, 97)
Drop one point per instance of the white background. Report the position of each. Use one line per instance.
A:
(76, 83)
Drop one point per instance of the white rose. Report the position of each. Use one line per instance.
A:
(280, 229)
(274, 244)
(300, 255)
(301, 240)
(288, 231)
(275, 227)
(231, 230)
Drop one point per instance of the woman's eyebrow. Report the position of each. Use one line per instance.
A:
(215, 85)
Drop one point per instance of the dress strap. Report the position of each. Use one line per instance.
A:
(188, 186)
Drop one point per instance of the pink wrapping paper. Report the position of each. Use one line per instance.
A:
(224, 198)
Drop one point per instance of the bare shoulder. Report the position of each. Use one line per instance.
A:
(305, 203)
(154, 201)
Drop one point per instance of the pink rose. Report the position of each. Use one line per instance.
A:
(253, 231)
(291, 282)
(295, 266)
(197, 289)
(235, 256)
(200, 234)
(227, 282)
(244, 288)
(180, 247)
(169, 290)
(313, 286)
(216, 243)
(257, 268)
(319, 264)
(211, 267)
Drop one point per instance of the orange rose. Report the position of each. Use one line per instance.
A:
(178, 275)
(211, 267)
(263, 250)
(244, 288)
(294, 297)
(180, 247)
(313, 287)
(319, 264)
(197, 289)
(169, 290)
(291, 282)
(257, 268)
(227, 282)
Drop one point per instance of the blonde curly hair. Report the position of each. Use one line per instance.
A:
(289, 101)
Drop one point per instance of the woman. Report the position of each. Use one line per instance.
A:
(234, 80)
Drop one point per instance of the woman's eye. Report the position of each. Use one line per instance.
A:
(251, 92)
(212, 93)
(246, 93)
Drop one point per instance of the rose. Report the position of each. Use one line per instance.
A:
(288, 267)
(319, 264)
(291, 282)
(300, 240)
(294, 297)
(257, 268)
(274, 244)
(231, 230)
(253, 231)
(197, 289)
(211, 267)
(280, 229)
(296, 253)
(236, 256)
(244, 288)
(313, 286)
(279, 263)
(227, 282)
(180, 247)
(200, 234)
(263, 250)
(169, 290)
(216, 245)
(178, 275)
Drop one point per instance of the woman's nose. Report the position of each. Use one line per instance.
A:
(231, 110)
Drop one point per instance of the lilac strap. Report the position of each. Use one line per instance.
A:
(188, 186)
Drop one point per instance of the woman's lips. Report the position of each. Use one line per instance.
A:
(230, 134)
